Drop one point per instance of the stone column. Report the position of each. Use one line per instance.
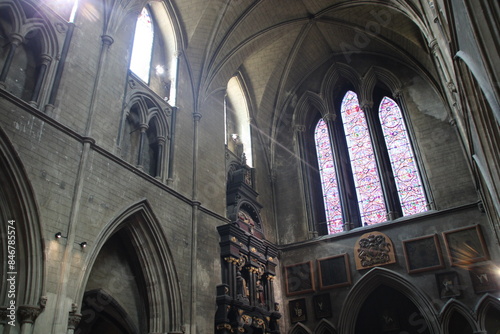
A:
(15, 41)
(142, 138)
(27, 316)
(159, 161)
(46, 59)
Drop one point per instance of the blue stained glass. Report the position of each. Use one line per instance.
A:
(328, 176)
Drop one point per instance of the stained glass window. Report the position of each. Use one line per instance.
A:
(328, 178)
(408, 183)
(143, 46)
(364, 166)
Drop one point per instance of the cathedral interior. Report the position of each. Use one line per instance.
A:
(250, 166)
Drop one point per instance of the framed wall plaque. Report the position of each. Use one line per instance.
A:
(322, 306)
(448, 285)
(334, 272)
(423, 254)
(484, 278)
(298, 310)
(465, 245)
(299, 278)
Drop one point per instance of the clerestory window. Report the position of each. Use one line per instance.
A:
(372, 150)
(142, 49)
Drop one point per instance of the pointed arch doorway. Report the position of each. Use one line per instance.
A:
(131, 285)
(387, 310)
(382, 294)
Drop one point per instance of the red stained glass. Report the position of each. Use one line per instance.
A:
(408, 183)
(366, 179)
(328, 178)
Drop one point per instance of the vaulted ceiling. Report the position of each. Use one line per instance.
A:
(277, 44)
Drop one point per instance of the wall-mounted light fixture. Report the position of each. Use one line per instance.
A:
(59, 235)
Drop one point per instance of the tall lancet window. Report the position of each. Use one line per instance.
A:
(364, 166)
(379, 179)
(142, 49)
(328, 178)
(409, 185)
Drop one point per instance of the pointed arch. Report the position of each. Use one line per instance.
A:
(142, 46)
(325, 327)
(339, 77)
(299, 328)
(488, 303)
(237, 113)
(451, 309)
(149, 243)
(17, 202)
(308, 103)
(373, 279)
(376, 75)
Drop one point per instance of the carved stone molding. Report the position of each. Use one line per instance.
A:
(74, 320)
(28, 314)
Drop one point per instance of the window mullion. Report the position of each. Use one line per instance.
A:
(306, 173)
(386, 175)
(347, 189)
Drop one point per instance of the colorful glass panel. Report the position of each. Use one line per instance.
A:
(366, 178)
(408, 183)
(328, 178)
(140, 62)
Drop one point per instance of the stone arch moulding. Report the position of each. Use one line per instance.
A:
(325, 327)
(17, 202)
(149, 243)
(308, 101)
(375, 75)
(299, 329)
(454, 306)
(484, 304)
(382, 276)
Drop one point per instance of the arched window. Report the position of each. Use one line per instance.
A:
(237, 120)
(142, 50)
(377, 158)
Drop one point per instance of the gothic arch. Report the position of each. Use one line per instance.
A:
(487, 303)
(336, 79)
(373, 279)
(325, 327)
(155, 259)
(17, 202)
(373, 76)
(299, 329)
(306, 104)
(455, 307)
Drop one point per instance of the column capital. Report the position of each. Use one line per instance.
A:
(329, 117)
(299, 128)
(28, 313)
(74, 320)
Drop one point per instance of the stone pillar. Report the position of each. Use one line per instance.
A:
(159, 161)
(15, 41)
(142, 138)
(46, 59)
(27, 316)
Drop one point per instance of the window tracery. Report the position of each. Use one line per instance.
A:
(365, 165)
